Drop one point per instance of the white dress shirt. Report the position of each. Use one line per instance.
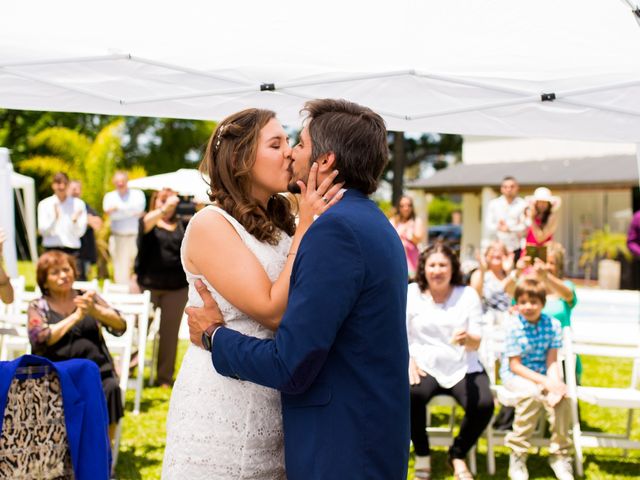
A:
(430, 328)
(513, 216)
(60, 229)
(128, 210)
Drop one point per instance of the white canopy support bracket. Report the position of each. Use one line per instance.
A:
(265, 86)
(635, 8)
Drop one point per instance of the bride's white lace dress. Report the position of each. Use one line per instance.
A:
(218, 427)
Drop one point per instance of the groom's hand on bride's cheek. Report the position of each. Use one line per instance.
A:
(201, 318)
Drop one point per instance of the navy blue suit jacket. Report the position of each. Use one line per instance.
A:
(85, 411)
(340, 355)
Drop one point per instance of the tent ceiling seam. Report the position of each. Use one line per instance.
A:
(53, 61)
(595, 106)
(179, 68)
(475, 83)
(63, 86)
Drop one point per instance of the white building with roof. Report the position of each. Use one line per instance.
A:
(597, 182)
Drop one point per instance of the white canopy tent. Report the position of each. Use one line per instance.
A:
(565, 69)
(27, 207)
(11, 181)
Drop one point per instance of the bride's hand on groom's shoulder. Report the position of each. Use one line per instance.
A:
(201, 318)
(317, 199)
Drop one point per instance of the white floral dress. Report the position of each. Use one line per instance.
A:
(218, 427)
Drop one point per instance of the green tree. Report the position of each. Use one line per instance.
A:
(407, 152)
(165, 144)
(440, 210)
(18, 126)
(158, 145)
(92, 161)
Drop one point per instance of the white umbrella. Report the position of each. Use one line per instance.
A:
(185, 181)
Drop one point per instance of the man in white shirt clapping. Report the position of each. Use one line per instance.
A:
(124, 206)
(505, 218)
(62, 219)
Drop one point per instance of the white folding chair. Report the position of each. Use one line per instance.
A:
(14, 340)
(154, 325)
(622, 346)
(91, 285)
(138, 305)
(120, 349)
(109, 287)
(495, 339)
(444, 436)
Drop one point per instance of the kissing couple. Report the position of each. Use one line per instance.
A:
(298, 362)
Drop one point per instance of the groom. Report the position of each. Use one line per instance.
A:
(340, 355)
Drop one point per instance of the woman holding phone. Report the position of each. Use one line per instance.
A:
(444, 332)
(543, 221)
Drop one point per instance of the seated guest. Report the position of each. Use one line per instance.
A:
(491, 277)
(561, 296)
(66, 323)
(531, 371)
(443, 328)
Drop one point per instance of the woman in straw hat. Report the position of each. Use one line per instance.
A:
(543, 217)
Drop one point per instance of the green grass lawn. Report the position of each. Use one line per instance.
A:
(142, 444)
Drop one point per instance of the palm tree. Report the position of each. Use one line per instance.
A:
(92, 161)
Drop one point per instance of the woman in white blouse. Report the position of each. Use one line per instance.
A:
(443, 327)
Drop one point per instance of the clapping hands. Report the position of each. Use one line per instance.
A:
(85, 304)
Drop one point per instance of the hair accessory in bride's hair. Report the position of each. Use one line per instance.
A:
(219, 136)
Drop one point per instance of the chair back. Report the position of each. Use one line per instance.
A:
(137, 305)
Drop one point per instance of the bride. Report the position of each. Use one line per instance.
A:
(243, 248)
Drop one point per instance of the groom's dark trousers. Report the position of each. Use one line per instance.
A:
(340, 356)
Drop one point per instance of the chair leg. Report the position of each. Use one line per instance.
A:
(629, 426)
(471, 458)
(577, 437)
(491, 454)
(154, 360)
(116, 447)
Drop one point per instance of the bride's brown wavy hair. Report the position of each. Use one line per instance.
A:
(228, 160)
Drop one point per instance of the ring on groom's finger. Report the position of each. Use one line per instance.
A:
(325, 199)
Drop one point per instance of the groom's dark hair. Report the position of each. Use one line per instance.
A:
(356, 135)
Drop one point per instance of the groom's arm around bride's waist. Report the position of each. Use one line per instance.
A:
(325, 285)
